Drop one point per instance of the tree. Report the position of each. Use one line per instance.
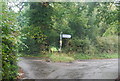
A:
(39, 21)
(84, 21)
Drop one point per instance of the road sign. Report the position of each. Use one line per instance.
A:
(66, 36)
(63, 36)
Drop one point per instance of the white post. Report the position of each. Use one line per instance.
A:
(60, 41)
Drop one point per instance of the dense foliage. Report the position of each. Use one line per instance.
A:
(39, 21)
(9, 43)
(88, 23)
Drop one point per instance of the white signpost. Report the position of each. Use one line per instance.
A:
(63, 36)
(66, 36)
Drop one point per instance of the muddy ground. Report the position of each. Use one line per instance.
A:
(36, 68)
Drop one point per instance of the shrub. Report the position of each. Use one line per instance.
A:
(80, 46)
(9, 41)
(107, 44)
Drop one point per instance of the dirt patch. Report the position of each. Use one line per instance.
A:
(21, 73)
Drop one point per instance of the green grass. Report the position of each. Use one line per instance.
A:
(55, 57)
(62, 57)
(96, 56)
(115, 55)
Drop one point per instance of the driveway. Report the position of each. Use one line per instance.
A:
(36, 68)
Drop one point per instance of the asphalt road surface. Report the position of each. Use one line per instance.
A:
(35, 68)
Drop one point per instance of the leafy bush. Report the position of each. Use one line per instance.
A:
(30, 47)
(107, 44)
(9, 43)
(80, 46)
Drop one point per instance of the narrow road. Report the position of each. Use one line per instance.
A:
(35, 68)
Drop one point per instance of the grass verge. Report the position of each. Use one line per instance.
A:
(96, 56)
(62, 57)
